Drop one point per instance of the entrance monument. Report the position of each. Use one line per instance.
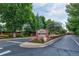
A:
(42, 34)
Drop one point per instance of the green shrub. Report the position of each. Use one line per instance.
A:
(38, 41)
(77, 32)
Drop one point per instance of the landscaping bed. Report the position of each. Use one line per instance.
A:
(51, 37)
(3, 36)
(40, 44)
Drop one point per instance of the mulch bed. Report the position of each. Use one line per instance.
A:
(41, 40)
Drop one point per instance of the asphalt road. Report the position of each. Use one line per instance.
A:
(67, 46)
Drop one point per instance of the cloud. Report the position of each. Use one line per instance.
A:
(54, 11)
(41, 4)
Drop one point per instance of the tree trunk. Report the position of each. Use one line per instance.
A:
(1, 33)
(14, 35)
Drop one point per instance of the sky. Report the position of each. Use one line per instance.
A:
(54, 11)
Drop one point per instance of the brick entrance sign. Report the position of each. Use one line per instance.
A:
(42, 34)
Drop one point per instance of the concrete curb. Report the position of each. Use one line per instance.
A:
(39, 45)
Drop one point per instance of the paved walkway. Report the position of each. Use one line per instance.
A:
(67, 46)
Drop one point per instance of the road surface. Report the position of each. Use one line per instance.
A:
(67, 46)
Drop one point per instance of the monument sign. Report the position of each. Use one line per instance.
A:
(42, 34)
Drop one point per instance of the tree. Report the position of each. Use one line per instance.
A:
(37, 26)
(42, 22)
(49, 21)
(73, 19)
(16, 15)
(0, 28)
(27, 30)
(55, 27)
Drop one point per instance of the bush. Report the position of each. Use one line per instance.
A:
(77, 32)
(38, 41)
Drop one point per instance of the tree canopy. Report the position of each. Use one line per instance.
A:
(55, 27)
(73, 19)
(15, 15)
